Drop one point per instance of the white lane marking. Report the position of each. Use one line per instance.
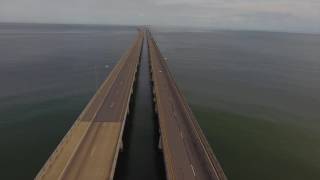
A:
(93, 150)
(160, 71)
(194, 173)
(181, 134)
(111, 105)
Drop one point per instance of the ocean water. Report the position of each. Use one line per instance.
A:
(256, 96)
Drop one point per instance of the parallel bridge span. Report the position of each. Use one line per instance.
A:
(187, 153)
(89, 150)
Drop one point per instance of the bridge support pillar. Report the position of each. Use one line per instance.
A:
(121, 146)
(156, 108)
(160, 143)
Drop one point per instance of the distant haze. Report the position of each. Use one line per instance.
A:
(279, 15)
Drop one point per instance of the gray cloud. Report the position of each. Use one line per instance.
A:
(284, 15)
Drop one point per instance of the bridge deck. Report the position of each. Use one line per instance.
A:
(90, 149)
(187, 154)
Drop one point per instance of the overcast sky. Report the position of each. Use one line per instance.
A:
(281, 15)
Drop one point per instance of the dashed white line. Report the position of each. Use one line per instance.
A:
(194, 173)
(181, 134)
(111, 105)
(92, 151)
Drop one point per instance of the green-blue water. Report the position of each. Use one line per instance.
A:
(256, 94)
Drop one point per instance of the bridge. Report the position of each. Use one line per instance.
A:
(187, 154)
(91, 147)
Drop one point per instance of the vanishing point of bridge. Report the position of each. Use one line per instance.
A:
(91, 147)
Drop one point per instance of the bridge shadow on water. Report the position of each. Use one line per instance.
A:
(141, 158)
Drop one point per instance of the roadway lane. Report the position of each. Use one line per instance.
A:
(90, 148)
(187, 153)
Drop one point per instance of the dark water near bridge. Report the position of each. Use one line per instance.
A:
(141, 158)
(256, 94)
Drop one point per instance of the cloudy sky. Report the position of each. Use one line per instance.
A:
(281, 15)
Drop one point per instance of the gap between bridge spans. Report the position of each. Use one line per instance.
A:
(141, 133)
